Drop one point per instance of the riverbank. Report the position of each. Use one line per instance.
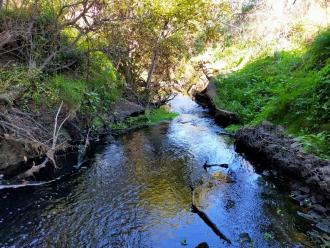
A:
(20, 155)
(288, 88)
(306, 176)
(282, 158)
(291, 89)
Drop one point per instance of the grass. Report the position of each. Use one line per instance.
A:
(150, 117)
(291, 88)
(159, 115)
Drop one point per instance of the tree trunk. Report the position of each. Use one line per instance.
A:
(152, 67)
(150, 72)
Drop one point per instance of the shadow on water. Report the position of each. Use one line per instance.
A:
(135, 192)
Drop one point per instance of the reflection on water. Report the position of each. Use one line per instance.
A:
(137, 193)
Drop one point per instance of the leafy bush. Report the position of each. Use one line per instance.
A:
(104, 78)
(319, 52)
(72, 91)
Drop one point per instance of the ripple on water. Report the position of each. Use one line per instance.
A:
(137, 193)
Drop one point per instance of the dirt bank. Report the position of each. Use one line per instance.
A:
(26, 137)
(305, 175)
(268, 144)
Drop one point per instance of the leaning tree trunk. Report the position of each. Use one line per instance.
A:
(152, 67)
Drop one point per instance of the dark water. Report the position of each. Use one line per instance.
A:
(136, 194)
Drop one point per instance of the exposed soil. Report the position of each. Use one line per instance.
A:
(269, 144)
(305, 175)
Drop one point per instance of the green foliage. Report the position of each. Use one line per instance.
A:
(319, 52)
(233, 128)
(163, 33)
(317, 143)
(269, 236)
(17, 76)
(247, 7)
(104, 78)
(91, 95)
(288, 88)
(158, 115)
(71, 91)
(150, 117)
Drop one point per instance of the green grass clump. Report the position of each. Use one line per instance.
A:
(150, 117)
(288, 88)
(233, 128)
(71, 91)
(159, 115)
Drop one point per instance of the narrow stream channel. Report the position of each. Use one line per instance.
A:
(136, 193)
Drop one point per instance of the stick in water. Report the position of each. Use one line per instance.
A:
(206, 165)
(207, 220)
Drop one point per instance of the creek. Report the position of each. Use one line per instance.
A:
(135, 192)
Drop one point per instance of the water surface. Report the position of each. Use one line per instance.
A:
(136, 193)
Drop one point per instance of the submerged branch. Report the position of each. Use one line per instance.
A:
(208, 222)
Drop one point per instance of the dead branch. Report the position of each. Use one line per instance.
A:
(50, 154)
(28, 184)
(206, 219)
(208, 222)
(56, 132)
(33, 169)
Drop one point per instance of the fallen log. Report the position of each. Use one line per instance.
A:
(221, 116)
(208, 222)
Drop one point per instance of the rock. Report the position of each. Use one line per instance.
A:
(319, 198)
(245, 238)
(295, 145)
(320, 209)
(313, 199)
(299, 198)
(123, 109)
(230, 204)
(202, 245)
(309, 217)
(184, 242)
(295, 193)
(304, 189)
(199, 86)
(266, 173)
(14, 156)
(323, 226)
